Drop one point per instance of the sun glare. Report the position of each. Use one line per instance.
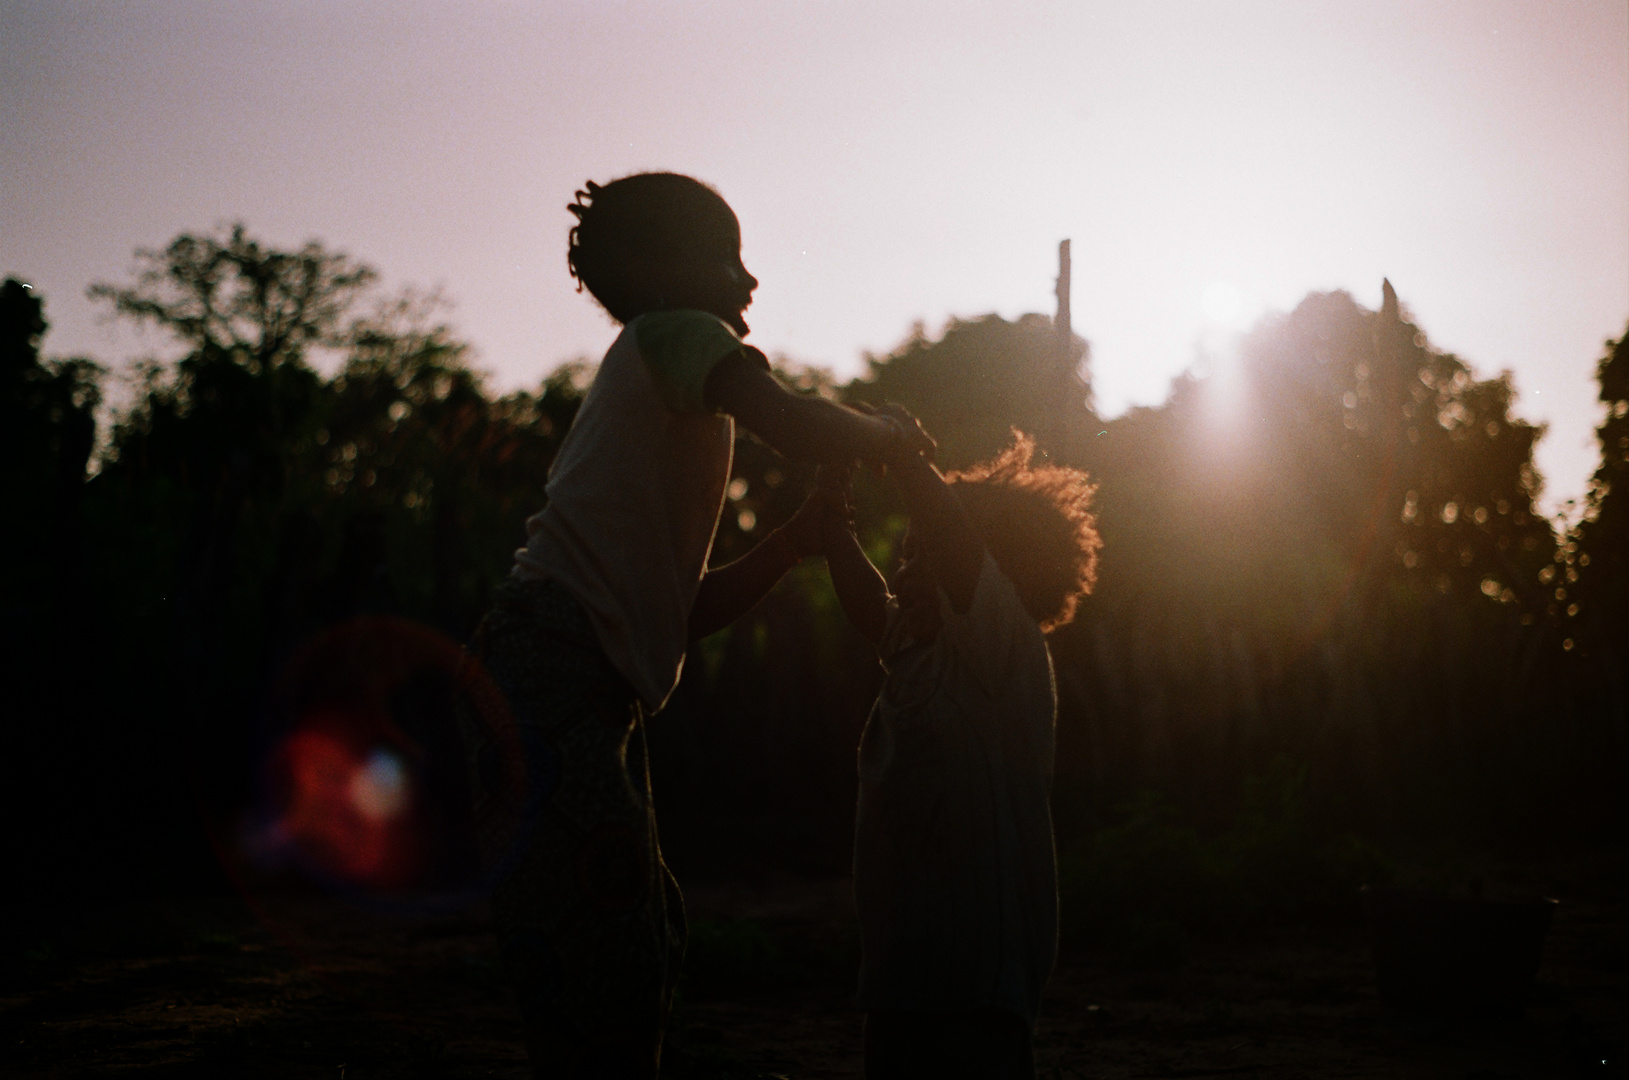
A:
(1226, 391)
(1222, 304)
(1225, 386)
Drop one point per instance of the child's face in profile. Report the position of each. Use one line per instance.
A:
(916, 590)
(715, 280)
(735, 293)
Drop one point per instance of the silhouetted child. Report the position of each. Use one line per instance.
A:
(954, 875)
(588, 635)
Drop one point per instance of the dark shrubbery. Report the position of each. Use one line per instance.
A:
(1350, 574)
(1136, 892)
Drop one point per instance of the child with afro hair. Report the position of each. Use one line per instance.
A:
(955, 879)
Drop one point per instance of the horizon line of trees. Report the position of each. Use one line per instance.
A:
(1346, 585)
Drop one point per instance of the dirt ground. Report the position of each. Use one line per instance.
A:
(311, 987)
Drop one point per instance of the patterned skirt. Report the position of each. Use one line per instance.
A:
(590, 922)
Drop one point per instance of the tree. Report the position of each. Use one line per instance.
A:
(257, 502)
(247, 317)
(48, 428)
(980, 379)
(410, 436)
(196, 474)
(47, 431)
(233, 298)
(1598, 557)
(221, 425)
(1329, 553)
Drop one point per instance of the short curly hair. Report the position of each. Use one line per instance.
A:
(1036, 522)
(646, 218)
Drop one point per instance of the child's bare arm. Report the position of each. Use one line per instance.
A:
(860, 589)
(805, 428)
(940, 524)
(730, 591)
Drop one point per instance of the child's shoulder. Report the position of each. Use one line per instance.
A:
(681, 348)
(996, 635)
(996, 599)
(666, 334)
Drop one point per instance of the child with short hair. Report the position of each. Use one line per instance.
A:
(588, 636)
(955, 878)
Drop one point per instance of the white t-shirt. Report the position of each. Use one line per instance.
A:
(635, 492)
(954, 873)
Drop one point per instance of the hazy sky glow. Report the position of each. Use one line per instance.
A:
(890, 162)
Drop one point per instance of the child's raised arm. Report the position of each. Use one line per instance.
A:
(939, 524)
(805, 428)
(860, 589)
(730, 591)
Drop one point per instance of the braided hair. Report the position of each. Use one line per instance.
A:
(630, 227)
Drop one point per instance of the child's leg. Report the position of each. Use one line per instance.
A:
(967, 1044)
(590, 923)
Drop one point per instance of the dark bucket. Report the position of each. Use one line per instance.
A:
(1452, 956)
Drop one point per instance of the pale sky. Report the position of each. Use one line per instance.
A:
(890, 162)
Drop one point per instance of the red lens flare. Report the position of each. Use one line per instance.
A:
(365, 783)
(347, 809)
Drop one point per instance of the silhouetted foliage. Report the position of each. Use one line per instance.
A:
(47, 432)
(1329, 557)
(979, 380)
(245, 501)
(1598, 560)
(1331, 554)
(1326, 603)
(48, 428)
(1594, 564)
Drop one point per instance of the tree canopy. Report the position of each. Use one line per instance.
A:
(1326, 553)
(1598, 558)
